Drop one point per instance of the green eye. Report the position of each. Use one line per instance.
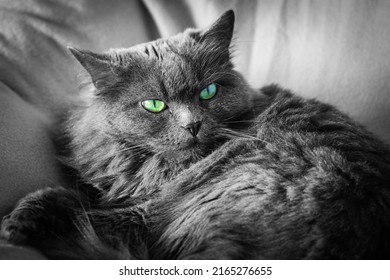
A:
(209, 92)
(154, 105)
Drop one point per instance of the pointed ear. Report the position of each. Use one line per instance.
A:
(97, 65)
(221, 31)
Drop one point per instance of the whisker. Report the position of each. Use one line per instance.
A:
(232, 117)
(241, 135)
(241, 121)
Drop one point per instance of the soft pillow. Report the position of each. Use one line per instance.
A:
(38, 78)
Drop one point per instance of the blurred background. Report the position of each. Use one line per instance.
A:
(335, 51)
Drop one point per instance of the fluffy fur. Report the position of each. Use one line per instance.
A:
(269, 175)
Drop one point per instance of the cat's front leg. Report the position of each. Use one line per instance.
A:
(41, 217)
(63, 224)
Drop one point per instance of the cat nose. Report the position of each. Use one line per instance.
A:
(193, 128)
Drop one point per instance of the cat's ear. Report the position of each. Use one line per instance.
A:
(221, 31)
(97, 65)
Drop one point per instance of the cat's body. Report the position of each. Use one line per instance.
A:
(229, 173)
(292, 193)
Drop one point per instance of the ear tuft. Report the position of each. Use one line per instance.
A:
(221, 31)
(97, 65)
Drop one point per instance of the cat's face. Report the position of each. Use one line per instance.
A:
(173, 95)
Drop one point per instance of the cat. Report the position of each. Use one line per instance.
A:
(179, 158)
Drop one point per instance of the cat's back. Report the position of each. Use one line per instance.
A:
(303, 181)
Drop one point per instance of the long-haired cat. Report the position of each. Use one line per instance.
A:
(181, 159)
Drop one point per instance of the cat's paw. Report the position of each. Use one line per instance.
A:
(22, 227)
(38, 215)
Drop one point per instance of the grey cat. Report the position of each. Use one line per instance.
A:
(180, 159)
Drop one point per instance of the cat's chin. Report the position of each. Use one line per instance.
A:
(192, 148)
(191, 143)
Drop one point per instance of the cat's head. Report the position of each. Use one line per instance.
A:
(171, 95)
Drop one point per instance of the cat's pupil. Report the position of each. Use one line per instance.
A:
(153, 105)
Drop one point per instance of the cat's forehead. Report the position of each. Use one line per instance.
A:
(179, 44)
(170, 63)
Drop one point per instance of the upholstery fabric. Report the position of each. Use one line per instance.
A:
(335, 51)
